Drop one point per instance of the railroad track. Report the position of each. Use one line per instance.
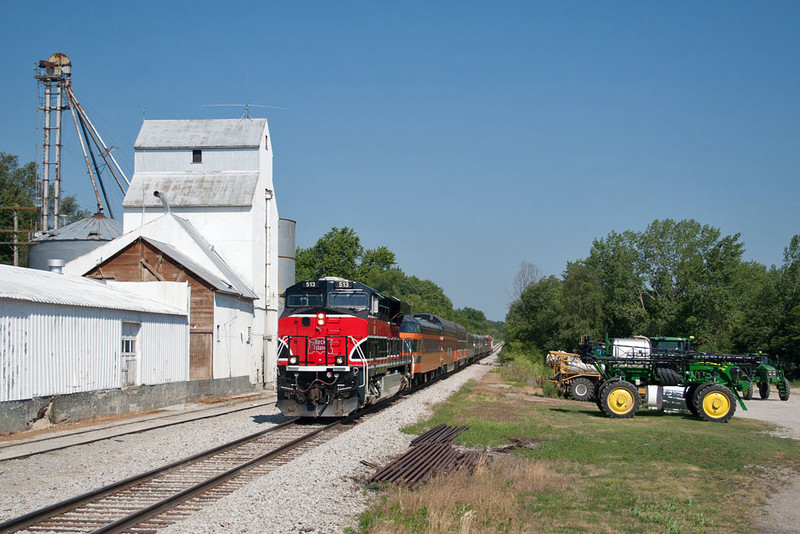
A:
(88, 432)
(151, 501)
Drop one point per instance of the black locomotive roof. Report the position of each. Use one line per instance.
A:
(394, 308)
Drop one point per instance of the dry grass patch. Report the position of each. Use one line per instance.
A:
(497, 412)
(500, 496)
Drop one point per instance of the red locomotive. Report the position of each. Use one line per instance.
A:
(343, 345)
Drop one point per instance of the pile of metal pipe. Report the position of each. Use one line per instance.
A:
(430, 454)
(439, 434)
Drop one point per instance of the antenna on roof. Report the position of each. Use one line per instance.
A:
(247, 106)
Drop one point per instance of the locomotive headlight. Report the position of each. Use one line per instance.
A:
(293, 360)
(320, 318)
(339, 360)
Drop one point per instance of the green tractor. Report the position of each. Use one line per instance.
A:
(632, 374)
(761, 371)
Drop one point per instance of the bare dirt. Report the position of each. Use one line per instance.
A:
(781, 515)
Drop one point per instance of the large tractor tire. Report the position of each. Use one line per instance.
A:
(763, 390)
(784, 390)
(715, 403)
(581, 389)
(597, 390)
(689, 395)
(619, 399)
(747, 394)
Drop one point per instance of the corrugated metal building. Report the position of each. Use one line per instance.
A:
(64, 334)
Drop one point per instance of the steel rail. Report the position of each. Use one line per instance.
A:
(169, 503)
(69, 504)
(94, 440)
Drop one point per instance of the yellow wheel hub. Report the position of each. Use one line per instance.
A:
(716, 404)
(620, 401)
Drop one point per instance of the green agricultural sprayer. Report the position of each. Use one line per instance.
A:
(758, 367)
(632, 373)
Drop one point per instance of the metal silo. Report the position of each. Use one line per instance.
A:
(76, 239)
(286, 257)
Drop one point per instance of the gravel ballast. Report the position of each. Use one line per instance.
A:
(322, 491)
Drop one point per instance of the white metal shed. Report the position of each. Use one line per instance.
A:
(62, 334)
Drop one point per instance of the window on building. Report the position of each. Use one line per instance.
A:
(197, 156)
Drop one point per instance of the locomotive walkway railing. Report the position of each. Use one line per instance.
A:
(321, 350)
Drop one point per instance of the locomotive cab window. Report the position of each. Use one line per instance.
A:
(197, 156)
(348, 299)
(304, 300)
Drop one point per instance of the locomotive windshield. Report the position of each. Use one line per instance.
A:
(348, 299)
(310, 299)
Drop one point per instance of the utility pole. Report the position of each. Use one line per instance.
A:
(15, 242)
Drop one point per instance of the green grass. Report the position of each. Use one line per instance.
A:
(655, 472)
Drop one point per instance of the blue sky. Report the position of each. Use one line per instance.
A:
(465, 136)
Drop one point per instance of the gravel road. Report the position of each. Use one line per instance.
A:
(782, 513)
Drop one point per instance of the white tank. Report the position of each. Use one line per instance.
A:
(632, 347)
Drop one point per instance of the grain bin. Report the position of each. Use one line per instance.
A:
(286, 257)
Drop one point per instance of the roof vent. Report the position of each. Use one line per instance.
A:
(56, 266)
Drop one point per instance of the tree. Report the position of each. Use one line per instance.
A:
(690, 275)
(425, 296)
(528, 274)
(761, 303)
(675, 278)
(612, 262)
(18, 186)
(337, 253)
(583, 304)
(374, 262)
(786, 339)
(536, 317)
